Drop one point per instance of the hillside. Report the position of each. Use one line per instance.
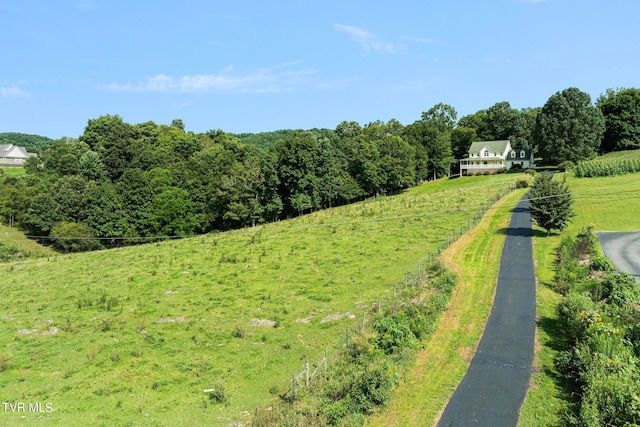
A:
(33, 143)
(136, 334)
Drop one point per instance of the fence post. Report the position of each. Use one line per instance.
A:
(293, 386)
(347, 337)
(307, 374)
(379, 310)
(362, 329)
(326, 359)
(405, 280)
(418, 268)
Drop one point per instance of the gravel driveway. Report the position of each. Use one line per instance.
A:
(623, 249)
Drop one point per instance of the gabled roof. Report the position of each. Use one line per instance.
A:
(528, 152)
(13, 151)
(493, 146)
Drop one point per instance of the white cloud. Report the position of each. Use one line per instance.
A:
(368, 41)
(11, 91)
(281, 78)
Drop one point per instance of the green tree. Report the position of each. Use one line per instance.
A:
(104, 213)
(505, 122)
(90, 166)
(551, 202)
(461, 140)
(112, 139)
(621, 110)
(361, 150)
(73, 237)
(397, 163)
(297, 162)
(569, 127)
(435, 130)
(479, 121)
(172, 215)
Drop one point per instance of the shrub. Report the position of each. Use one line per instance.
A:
(566, 165)
(393, 333)
(620, 289)
(522, 183)
(358, 389)
(601, 263)
(218, 393)
(571, 314)
(73, 237)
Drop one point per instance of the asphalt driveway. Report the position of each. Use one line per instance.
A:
(623, 249)
(493, 389)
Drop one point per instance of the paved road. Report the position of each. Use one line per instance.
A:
(623, 249)
(493, 389)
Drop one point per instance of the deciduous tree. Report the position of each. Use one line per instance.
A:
(568, 127)
(621, 110)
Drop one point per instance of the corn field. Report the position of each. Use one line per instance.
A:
(607, 167)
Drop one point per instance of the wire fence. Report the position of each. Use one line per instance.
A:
(411, 280)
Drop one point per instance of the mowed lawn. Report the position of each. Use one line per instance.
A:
(133, 336)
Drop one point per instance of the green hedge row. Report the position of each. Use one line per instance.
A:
(600, 314)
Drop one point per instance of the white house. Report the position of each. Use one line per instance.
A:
(12, 156)
(485, 156)
(520, 159)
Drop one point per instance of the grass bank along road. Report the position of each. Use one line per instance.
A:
(447, 353)
(496, 383)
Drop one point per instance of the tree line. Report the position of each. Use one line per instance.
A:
(130, 181)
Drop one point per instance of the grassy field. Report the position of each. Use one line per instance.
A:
(12, 171)
(14, 245)
(133, 336)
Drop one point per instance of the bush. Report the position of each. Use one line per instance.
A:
(522, 183)
(620, 289)
(359, 389)
(218, 393)
(394, 333)
(601, 263)
(567, 165)
(73, 237)
(572, 312)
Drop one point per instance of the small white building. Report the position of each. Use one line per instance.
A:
(12, 156)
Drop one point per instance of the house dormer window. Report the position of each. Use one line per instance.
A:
(522, 154)
(513, 154)
(485, 153)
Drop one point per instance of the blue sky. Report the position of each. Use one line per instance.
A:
(252, 66)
